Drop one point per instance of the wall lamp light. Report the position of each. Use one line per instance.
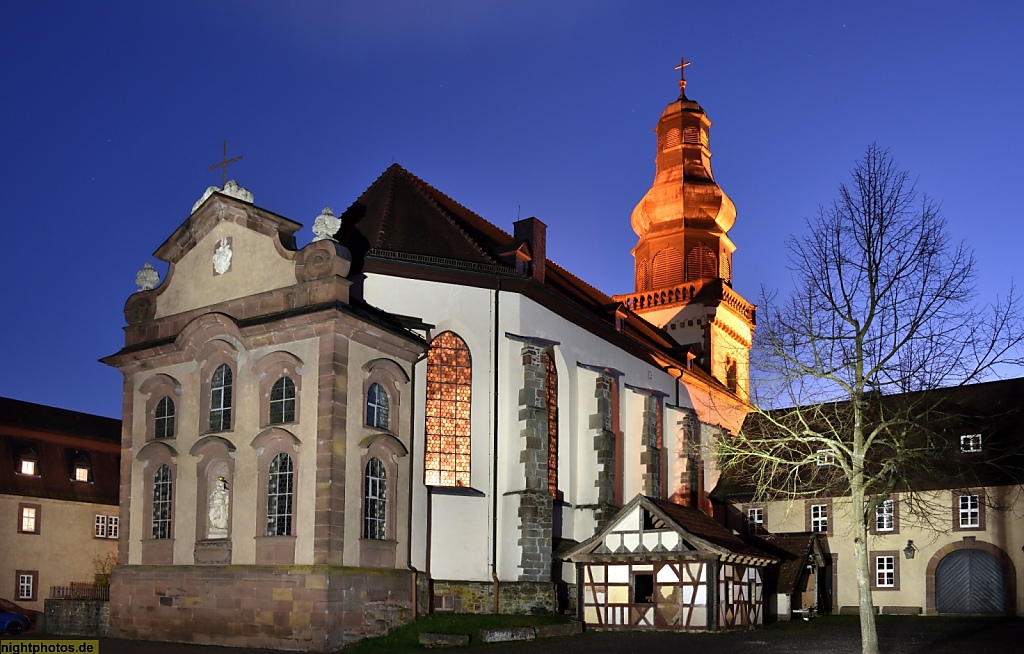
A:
(909, 551)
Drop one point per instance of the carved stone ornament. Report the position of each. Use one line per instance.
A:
(234, 190)
(147, 278)
(231, 188)
(222, 257)
(326, 225)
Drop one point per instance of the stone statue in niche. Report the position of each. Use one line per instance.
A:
(219, 510)
(222, 257)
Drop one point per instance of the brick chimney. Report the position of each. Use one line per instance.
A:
(534, 233)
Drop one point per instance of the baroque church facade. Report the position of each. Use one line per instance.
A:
(417, 411)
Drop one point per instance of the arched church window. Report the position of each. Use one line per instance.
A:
(162, 502)
(641, 275)
(375, 501)
(701, 263)
(377, 406)
(668, 268)
(551, 390)
(220, 398)
(163, 421)
(449, 384)
(279, 496)
(282, 401)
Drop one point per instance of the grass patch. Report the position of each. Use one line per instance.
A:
(406, 638)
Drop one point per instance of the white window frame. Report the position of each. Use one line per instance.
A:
(970, 443)
(377, 406)
(106, 526)
(221, 398)
(885, 571)
(26, 587)
(28, 467)
(970, 511)
(163, 418)
(29, 520)
(885, 516)
(824, 458)
(755, 520)
(819, 518)
(163, 503)
(375, 501)
(282, 401)
(280, 496)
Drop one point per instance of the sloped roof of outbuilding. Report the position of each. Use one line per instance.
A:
(695, 528)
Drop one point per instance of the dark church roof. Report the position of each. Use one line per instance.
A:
(402, 225)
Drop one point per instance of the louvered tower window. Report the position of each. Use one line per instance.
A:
(701, 263)
(641, 275)
(668, 268)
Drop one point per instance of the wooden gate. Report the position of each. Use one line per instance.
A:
(969, 581)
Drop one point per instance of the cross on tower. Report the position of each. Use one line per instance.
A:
(223, 165)
(683, 63)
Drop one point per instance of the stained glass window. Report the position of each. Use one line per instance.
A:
(449, 381)
(163, 421)
(220, 399)
(377, 406)
(551, 388)
(375, 501)
(279, 496)
(162, 502)
(282, 401)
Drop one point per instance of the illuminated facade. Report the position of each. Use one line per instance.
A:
(459, 410)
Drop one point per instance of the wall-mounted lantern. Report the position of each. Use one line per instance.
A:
(909, 551)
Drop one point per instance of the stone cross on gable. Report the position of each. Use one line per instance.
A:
(223, 165)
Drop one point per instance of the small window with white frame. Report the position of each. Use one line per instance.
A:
(885, 516)
(824, 458)
(819, 518)
(28, 518)
(755, 520)
(28, 463)
(885, 571)
(970, 443)
(970, 512)
(106, 526)
(27, 585)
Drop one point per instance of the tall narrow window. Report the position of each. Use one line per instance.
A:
(885, 516)
(551, 389)
(375, 501)
(282, 401)
(220, 399)
(449, 383)
(885, 571)
(162, 503)
(29, 520)
(27, 585)
(279, 496)
(377, 406)
(641, 275)
(970, 512)
(819, 518)
(755, 520)
(163, 421)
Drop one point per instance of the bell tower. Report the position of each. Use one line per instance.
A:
(684, 254)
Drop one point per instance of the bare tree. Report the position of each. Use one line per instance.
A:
(883, 306)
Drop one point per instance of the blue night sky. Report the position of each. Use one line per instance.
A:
(112, 112)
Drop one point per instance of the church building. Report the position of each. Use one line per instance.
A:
(418, 411)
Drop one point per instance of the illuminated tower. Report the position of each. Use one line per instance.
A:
(684, 255)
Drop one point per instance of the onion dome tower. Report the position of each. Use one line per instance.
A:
(684, 255)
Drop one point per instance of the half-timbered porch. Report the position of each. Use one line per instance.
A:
(650, 567)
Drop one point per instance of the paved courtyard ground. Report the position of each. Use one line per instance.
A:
(898, 635)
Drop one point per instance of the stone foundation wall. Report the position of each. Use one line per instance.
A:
(312, 608)
(514, 597)
(77, 617)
